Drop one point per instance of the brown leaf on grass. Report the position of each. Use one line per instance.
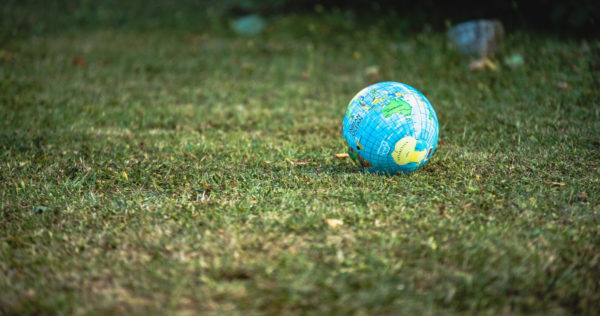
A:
(16, 241)
(299, 163)
(248, 65)
(193, 39)
(6, 56)
(341, 156)
(334, 223)
(443, 211)
(372, 73)
(582, 196)
(482, 64)
(562, 85)
(79, 61)
(30, 293)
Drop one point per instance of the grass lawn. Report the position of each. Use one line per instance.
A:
(184, 172)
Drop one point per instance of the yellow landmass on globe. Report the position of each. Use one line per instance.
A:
(376, 100)
(405, 152)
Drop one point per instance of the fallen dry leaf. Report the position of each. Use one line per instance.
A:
(30, 293)
(299, 163)
(79, 61)
(562, 85)
(442, 212)
(6, 56)
(582, 196)
(482, 64)
(334, 223)
(372, 72)
(342, 156)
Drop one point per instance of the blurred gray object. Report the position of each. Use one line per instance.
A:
(478, 38)
(249, 25)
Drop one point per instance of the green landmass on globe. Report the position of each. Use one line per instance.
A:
(397, 106)
(348, 112)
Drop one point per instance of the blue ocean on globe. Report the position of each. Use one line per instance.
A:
(390, 127)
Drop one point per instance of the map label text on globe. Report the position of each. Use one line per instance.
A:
(356, 123)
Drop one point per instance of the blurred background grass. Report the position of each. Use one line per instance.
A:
(29, 17)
